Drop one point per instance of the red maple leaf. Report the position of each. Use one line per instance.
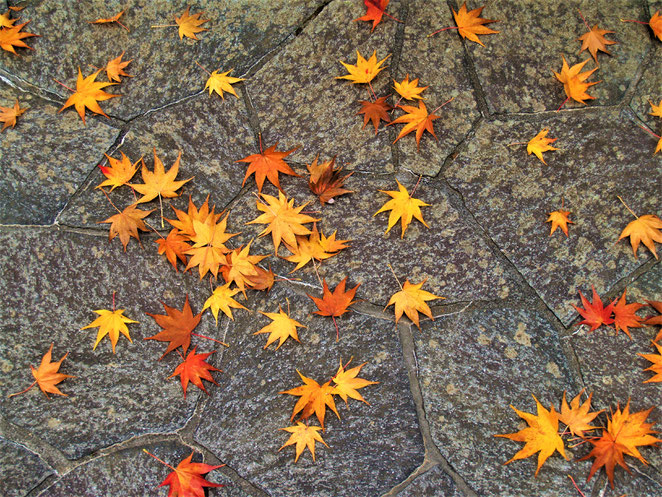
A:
(267, 165)
(186, 479)
(335, 303)
(375, 111)
(594, 313)
(174, 247)
(624, 315)
(177, 327)
(195, 369)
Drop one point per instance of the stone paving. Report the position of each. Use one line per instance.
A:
(505, 331)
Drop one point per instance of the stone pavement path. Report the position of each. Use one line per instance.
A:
(506, 329)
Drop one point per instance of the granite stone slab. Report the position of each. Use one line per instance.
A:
(432, 483)
(20, 469)
(45, 158)
(472, 366)
(371, 448)
(511, 195)
(649, 90)
(53, 280)
(515, 68)
(300, 103)
(209, 132)
(163, 67)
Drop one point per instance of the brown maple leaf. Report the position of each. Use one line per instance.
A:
(12, 37)
(87, 95)
(119, 172)
(173, 247)
(594, 313)
(47, 376)
(159, 183)
(109, 20)
(656, 367)
(262, 281)
(411, 300)
(267, 165)
(624, 315)
(177, 327)
(115, 68)
(186, 479)
(375, 111)
(189, 24)
(325, 181)
(416, 118)
(574, 81)
(127, 223)
(469, 24)
(559, 219)
(576, 417)
(594, 40)
(315, 398)
(8, 115)
(644, 229)
(336, 303)
(195, 369)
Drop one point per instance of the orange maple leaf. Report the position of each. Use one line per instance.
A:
(336, 303)
(624, 315)
(375, 111)
(208, 245)
(411, 300)
(189, 24)
(655, 320)
(409, 90)
(325, 181)
(576, 417)
(655, 24)
(469, 24)
(656, 368)
(539, 144)
(173, 247)
(559, 219)
(108, 20)
(594, 313)
(574, 81)
(316, 246)
(281, 328)
(8, 115)
(186, 479)
(47, 376)
(13, 36)
(195, 369)
(594, 40)
(374, 12)
(263, 280)
(110, 323)
(416, 118)
(347, 382)
(644, 229)
(87, 95)
(267, 165)
(177, 327)
(184, 222)
(119, 172)
(159, 183)
(315, 398)
(126, 224)
(115, 68)
(5, 21)
(303, 436)
(240, 267)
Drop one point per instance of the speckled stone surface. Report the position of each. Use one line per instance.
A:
(433, 483)
(210, 133)
(53, 281)
(532, 38)
(240, 34)
(649, 90)
(17, 480)
(45, 158)
(500, 357)
(511, 195)
(371, 448)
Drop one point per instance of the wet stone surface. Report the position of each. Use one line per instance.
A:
(511, 195)
(248, 411)
(433, 483)
(18, 479)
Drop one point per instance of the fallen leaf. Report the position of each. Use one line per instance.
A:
(325, 181)
(186, 480)
(262, 281)
(656, 367)
(336, 303)
(119, 172)
(189, 25)
(471, 25)
(127, 223)
(576, 417)
(267, 165)
(173, 247)
(416, 118)
(559, 219)
(115, 18)
(303, 436)
(110, 323)
(315, 247)
(655, 24)
(221, 82)
(87, 95)
(402, 207)
(409, 90)
(240, 266)
(13, 36)
(184, 222)
(539, 144)
(656, 110)
(281, 328)
(177, 327)
(374, 12)
(594, 40)
(375, 111)
(8, 115)
(195, 369)
(115, 68)
(573, 81)
(347, 383)
(644, 229)
(160, 183)
(594, 313)
(221, 300)
(365, 70)
(655, 320)
(209, 246)
(411, 300)
(314, 399)
(5, 21)
(624, 315)
(47, 376)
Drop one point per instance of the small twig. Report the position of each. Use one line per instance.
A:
(317, 273)
(161, 206)
(111, 202)
(626, 206)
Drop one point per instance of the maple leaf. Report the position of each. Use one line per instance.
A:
(240, 267)
(262, 280)
(8, 115)
(540, 436)
(160, 183)
(108, 20)
(653, 320)
(656, 368)
(267, 165)
(573, 81)
(624, 315)
(594, 313)
(336, 303)
(189, 25)
(470, 25)
(283, 219)
(539, 144)
(5, 21)
(110, 323)
(184, 222)
(416, 118)
(303, 436)
(325, 181)
(119, 172)
(655, 24)
(375, 111)
(317, 247)
(87, 95)
(208, 245)
(221, 82)
(656, 110)
(559, 219)
(46, 375)
(594, 40)
(186, 479)
(126, 224)
(374, 12)
(281, 328)
(411, 300)
(173, 247)
(115, 68)
(12, 37)
(347, 383)
(195, 369)
(221, 300)
(576, 417)
(314, 399)
(177, 327)
(644, 229)
(625, 432)
(409, 90)
(365, 70)
(403, 207)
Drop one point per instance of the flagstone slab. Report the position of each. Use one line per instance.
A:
(432, 483)
(163, 67)
(53, 280)
(20, 469)
(372, 447)
(438, 62)
(44, 158)
(300, 103)
(511, 195)
(648, 91)
(472, 366)
(516, 66)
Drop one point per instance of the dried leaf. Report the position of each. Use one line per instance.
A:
(573, 81)
(184, 222)
(624, 315)
(315, 247)
(416, 118)
(347, 383)
(240, 266)
(127, 223)
(177, 327)
(119, 172)
(267, 165)
(303, 436)
(160, 183)
(221, 82)
(656, 367)
(539, 144)
(471, 25)
(47, 376)
(87, 95)
(375, 111)
(411, 300)
(12, 37)
(189, 25)
(115, 18)
(656, 110)
(8, 115)
(374, 12)
(595, 40)
(186, 480)
(594, 313)
(110, 323)
(195, 369)
(403, 207)
(576, 417)
(644, 229)
(281, 328)
(315, 398)
(655, 320)
(221, 300)
(409, 90)
(173, 247)
(115, 68)
(559, 219)
(325, 181)
(655, 24)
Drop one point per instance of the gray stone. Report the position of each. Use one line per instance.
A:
(648, 91)
(210, 133)
(53, 280)
(45, 158)
(438, 63)
(511, 194)
(20, 469)
(371, 448)
(433, 483)
(515, 68)
(474, 364)
(299, 103)
(164, 68)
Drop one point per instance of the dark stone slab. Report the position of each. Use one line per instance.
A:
(515, 68)
(53, 280)
(433, 483)
(299, 103)
(164, 67)
(20, 469)
(511, 194)
(210, 133)
(472, 366)
(44, 159)
(648, 91)
(438, 63)
(372, 447)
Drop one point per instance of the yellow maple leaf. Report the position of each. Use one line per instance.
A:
(539, 144)
(316, 246)
(119, 172)
(5, 21)
(644, 229)
(409, 90)
(411, 300)
(347, 383)
(159, 183)
(221, 82)
(115, 68)
(574, 81)
(365, 70)
(540, 436)
(184, 222)
(281, 328)
(576, 417)
(127, 223)
(303, 436)
(594, 40)
(403, 207)
(241, 266)
(87, 95)
(656, 367)
(221, 300)
(110, 323)
(559, 219)
(656, 110)
(8, 115)
(189, 25)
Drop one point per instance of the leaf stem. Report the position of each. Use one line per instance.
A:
(374, 95)
(416, 186)
(60, 83)
(573, 482)
(23, 391)
(517, 143)
(203, 68)
(118, 22)
(111, 202)
(161, 206)
(446, 102)
(394, 275)
(632, 20)
(585, 23)
(163, 25)
(113, 300)
(442, 29)
(562, 104)
(337, 330)
(160, 460)
(210, 338)
(626, 206)
(649, 131)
